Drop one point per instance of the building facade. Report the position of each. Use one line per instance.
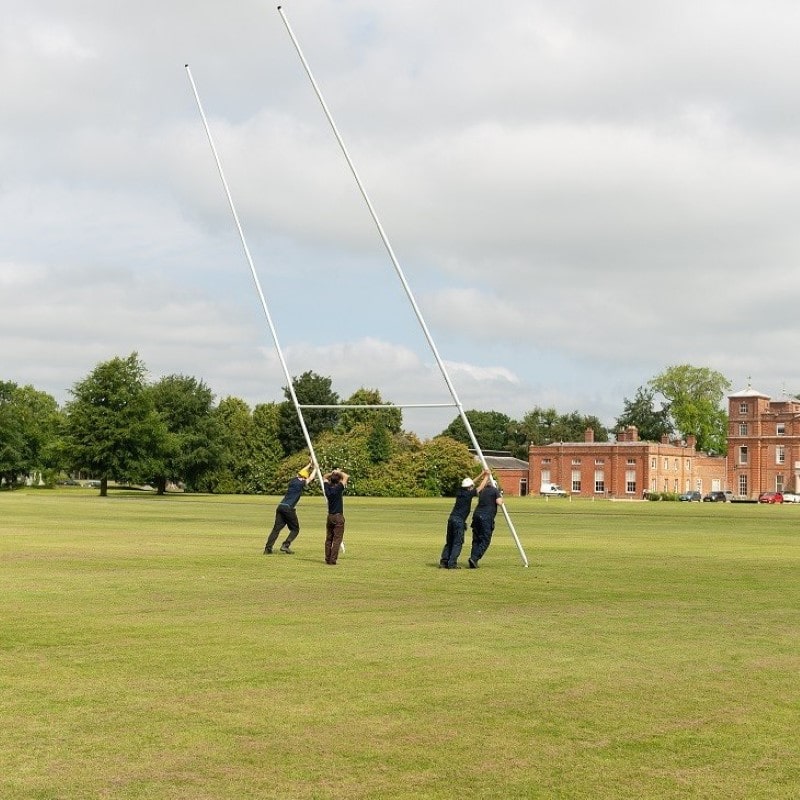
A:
(763, 444)
(626, 468)
(510, 473)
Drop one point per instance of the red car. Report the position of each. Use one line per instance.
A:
(770, 497)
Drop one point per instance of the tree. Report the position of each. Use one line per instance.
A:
(112, 428)
(640, 412)
(491, 428)
(264, 449)
(310, 389)
(695, 395)
(12, 445)
(390, 418)
(542, 426)
(193, 444)
(446, 464)
(232, 475)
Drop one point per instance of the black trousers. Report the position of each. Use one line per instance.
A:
(285, 517)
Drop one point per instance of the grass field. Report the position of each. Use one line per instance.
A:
(149, 650)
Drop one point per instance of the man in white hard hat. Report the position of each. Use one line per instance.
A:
(457, 521)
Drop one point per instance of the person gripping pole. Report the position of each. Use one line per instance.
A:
(286, 512)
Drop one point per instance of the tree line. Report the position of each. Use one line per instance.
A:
(119, 427)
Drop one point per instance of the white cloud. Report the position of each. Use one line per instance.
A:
(579, 195)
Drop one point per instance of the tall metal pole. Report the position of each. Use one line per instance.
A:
(399, 271)
(253, 272)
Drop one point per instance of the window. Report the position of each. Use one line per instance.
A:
(742, 429)
(631, 461)
(545, 461)
(743, 486)
(653, 464)
(653, 485)
(545, 476)
(779, 483)
(523, 487)
(675, 486)
(630, 481)
(676, 465)
(780, 454)
(599, 481)
(742, 455)
(688, 464)
(600, 461)
(742, 408)
(576, 480)
(576, 462)
(666, 464)
(780, 429)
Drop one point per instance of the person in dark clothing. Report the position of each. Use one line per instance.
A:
(457, 521)
(489, 498)
(334, 483)
(286, 513)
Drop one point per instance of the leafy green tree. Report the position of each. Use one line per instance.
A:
(112, 427)
(694, 396)
(390, 418)
(12, 444)
(29, 433)
(310, 389)
(348, 451)
(233, 474)
(651, 423)
(193, 444)
(492, 429)
(541, 426)
(42, 423)
(379, 442)
(446, 463)
(265, 450)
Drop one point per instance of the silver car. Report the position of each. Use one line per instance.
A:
(790, 497)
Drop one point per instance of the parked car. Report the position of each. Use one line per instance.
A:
(790, 497)
(690, 497)
(718, 497)
(770, 497)
(552, 490)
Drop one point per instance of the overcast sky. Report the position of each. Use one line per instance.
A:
(580, 194)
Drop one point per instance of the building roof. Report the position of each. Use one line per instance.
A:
(505, 462)
(502, 459)
(748, 392)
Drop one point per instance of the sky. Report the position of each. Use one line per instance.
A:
(578, 194)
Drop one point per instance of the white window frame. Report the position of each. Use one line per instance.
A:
(599, 481)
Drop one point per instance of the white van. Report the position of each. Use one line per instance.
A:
(552, 490)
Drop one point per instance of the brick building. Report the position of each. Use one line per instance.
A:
(510, 473)
(763, 444)
(625, 468)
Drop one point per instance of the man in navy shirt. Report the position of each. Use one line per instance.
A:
(457, 521)
(286, 513)
(334, 483)
(489, 498)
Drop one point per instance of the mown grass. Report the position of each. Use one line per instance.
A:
(149, 650)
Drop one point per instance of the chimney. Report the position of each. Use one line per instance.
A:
(633, 433)
(691, 441)
(665, 438)
(588, 436)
